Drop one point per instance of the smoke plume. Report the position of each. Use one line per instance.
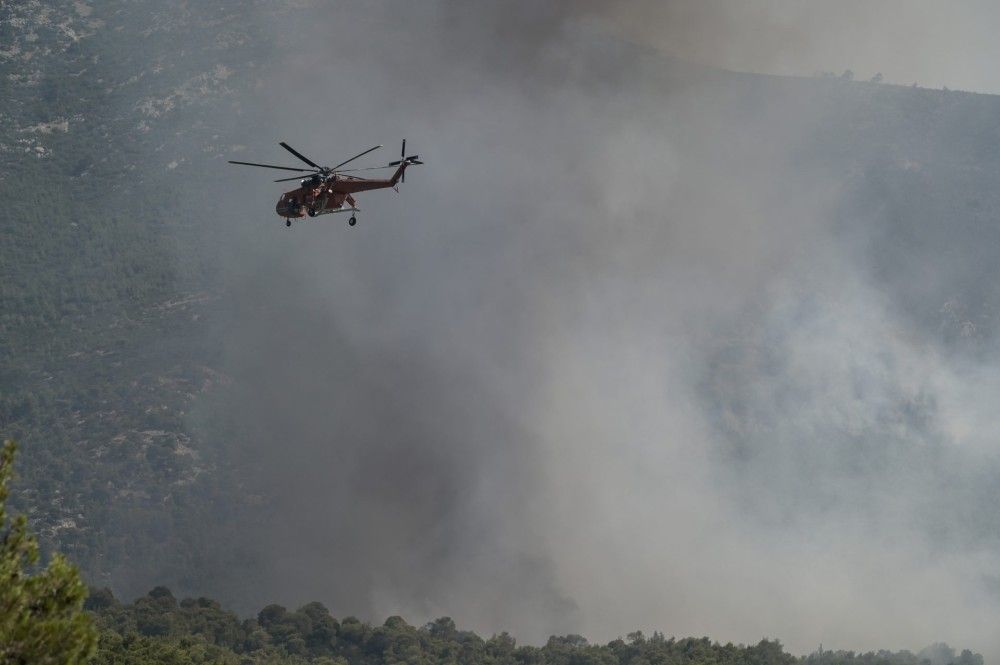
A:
(623, 354)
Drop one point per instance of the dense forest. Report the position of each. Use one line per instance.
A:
(158, 628)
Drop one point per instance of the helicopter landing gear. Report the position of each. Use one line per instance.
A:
(288, 222)
(312, 212)
(352, 221)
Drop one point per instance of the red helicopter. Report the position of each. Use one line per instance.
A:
(326, 189)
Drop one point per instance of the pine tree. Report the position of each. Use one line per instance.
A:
(41, 609)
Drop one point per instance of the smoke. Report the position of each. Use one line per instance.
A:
(620, 355)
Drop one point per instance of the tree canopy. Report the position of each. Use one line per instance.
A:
(158, 628)
(41, 610)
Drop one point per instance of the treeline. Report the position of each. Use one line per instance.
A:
(158, 628)
(936, 654)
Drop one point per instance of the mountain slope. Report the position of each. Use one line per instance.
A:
(162, 389)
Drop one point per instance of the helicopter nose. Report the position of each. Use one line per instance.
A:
(287, 207)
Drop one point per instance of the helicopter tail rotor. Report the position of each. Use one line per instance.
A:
(412, 159)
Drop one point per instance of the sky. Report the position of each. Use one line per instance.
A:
(929, 42)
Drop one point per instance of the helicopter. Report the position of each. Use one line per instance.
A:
(327, 190)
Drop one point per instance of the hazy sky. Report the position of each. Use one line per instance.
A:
(932, 42)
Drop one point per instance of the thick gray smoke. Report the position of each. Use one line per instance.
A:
(619, 356)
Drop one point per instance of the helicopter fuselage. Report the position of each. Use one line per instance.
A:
(317, 196)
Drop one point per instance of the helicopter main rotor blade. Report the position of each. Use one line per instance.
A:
(361, 154)
(300, 156)
(271, 166)
(298, 177)
(370, 168)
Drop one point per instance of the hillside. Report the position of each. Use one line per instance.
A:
(105, 292)
(145, 291)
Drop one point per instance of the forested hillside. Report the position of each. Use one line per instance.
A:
(103, 286)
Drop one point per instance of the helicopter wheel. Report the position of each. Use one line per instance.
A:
(312, 212)
(288, 222)
(352, 221)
